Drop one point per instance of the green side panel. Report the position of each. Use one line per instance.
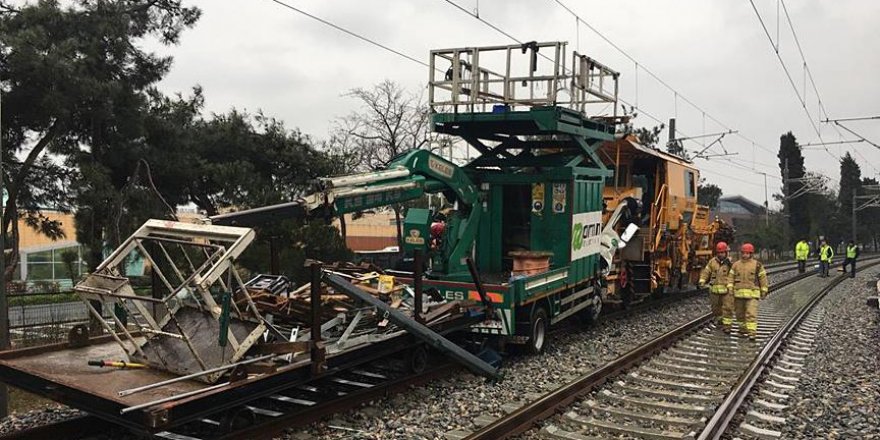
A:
(550, 229)
(535, 285)
(587, 197)
(489, 255)
(557, 219)
(416, 233)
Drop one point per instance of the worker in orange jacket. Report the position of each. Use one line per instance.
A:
(716, 273)
(747, 282)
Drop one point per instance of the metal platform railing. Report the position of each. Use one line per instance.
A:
(477, 79)
(205, 316)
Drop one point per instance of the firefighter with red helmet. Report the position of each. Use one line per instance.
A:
(747, 282)
(716, 273)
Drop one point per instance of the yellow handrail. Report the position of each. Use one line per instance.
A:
(659, 207)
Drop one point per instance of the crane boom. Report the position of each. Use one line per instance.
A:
(407, 177)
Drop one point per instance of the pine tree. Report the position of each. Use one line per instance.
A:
(798, 209)
(850, 183)
(869, 228)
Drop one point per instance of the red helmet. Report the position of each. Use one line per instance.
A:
(747, 247)
(721, 247)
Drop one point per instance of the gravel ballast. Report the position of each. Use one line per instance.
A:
(839, 393)
(32, 419)
(429, 411)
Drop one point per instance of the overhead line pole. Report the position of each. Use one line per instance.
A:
(874, 202)
(4, 307)
(862, 118)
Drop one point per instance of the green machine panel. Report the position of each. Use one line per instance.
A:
(416, 233)
(586, 229)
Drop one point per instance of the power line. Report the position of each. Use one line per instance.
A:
(477, 16)
(508, 35)
(656, 77)
(807, 71)
(623, 101)
(790, 79)
(747, 182)
(351, 33)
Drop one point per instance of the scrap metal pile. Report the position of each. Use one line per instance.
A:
(207, 321)
(288, 309)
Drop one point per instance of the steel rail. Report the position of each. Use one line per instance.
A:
(525, 417)
(726, 411)
(82, 426)
(295, 419)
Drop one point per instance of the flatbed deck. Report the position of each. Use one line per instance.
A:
(62, 374)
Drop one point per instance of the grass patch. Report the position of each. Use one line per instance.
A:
(22, 401)
(48, 298)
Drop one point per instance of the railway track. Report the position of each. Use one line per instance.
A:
(294, 407)
(300, 405)
(265, 417)
(689, 383)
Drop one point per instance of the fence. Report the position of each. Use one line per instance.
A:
(44, 318)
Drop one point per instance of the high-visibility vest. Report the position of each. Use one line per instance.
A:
(802, 250)
(826, 253)
(851, 251)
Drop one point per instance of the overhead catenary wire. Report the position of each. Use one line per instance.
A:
(808, 73)
(351, 33)
(641, 110)
(640, 66)
(797, 93)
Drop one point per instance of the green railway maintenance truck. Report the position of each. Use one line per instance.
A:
(526, 210)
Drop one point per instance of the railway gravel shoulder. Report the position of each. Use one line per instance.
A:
(454, 403)
(839, 392)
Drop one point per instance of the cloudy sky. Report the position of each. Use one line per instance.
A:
(256, 54)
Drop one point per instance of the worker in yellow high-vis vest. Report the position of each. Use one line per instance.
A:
(747, 281)
(826, 254)
(801, 253)
(852, 252)
(716, 273)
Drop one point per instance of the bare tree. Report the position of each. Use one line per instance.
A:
(389, 122)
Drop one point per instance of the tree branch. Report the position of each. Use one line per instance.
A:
(15, 186)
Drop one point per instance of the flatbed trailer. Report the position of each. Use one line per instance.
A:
(61, 373)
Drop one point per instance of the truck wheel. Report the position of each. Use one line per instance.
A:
(538, 329)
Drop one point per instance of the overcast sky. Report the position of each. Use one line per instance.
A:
(257, 54)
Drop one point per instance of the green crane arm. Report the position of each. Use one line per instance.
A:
(407, 177)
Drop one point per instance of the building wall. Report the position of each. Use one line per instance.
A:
(371, 232)
(29, 238)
